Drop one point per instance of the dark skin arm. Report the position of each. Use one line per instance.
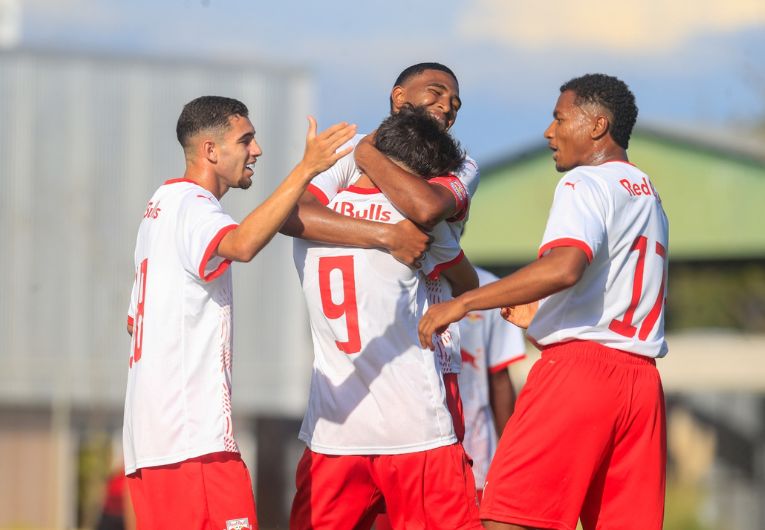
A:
(461, 276)
(501, 398)
(560, 269)
(312, 220)
(424, 203)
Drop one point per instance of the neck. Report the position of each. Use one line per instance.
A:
(205, 179)
(613, 153)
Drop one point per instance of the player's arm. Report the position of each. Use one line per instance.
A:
(501, 397)
(520, 315)
(310, 219)
(462, 276)
(423, 202)
(130, 328)
(257, 229)
(555, 271)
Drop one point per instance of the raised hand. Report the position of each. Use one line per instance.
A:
(520, 315)
(321, 149)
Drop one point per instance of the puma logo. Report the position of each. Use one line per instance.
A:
(572, 184)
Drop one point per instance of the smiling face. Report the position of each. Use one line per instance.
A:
(237, 151)
(570, 135)
(434, 90)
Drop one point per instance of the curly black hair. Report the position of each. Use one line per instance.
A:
(414, 138)
(207, 112)
(613, 95)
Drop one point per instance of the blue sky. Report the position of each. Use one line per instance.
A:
(691, 64)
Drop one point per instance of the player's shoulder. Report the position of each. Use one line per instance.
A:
(584, 179)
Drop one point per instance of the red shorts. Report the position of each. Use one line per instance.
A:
(428, 489)
(587, 439)
(208, 492)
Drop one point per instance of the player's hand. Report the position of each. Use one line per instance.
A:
(321, 150)
(366, 146)
(437, 318)
(407, 242)
(520, 315)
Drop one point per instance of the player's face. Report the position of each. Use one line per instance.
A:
(238, 152)
(569, 134)
(435, 90)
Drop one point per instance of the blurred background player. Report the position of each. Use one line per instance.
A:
(601, 282)
(488, 345)
(182, 462)
(380, 425)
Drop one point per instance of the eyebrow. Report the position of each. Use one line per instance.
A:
(245, 135)
(444, 87)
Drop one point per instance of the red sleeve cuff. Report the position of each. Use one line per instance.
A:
(436, 272)
(504, 365)
(460, 192)
(210, 250)
(567, 242)
(320, 195)
(130, 321)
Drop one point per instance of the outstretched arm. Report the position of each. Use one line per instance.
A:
(423, 202)
(561, 268)
(310, 219)
(257, 229)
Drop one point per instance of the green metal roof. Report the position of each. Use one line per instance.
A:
(714, 198)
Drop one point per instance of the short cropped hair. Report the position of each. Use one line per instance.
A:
(613, 95)
(414, 138)
(207, 112)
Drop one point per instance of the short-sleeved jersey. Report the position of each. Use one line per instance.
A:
(463, 184)
(613, 213)
(178, 402)
(488, 344)
(374, 389)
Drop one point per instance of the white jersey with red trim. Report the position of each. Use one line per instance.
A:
(613, 213)
(374, 389)
(488, 344)
(178, 402)
(463, 184)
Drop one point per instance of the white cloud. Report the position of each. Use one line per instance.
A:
(634, 26)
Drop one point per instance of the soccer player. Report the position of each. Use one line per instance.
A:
(424, 203)
(587, 439)
(182, 462)
(488, 345)
(380, 424)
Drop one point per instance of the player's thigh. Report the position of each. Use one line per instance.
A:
(431, 489)
(228, 491)
(552, 445)
(628, 491)
(197, 493)
(334, 493)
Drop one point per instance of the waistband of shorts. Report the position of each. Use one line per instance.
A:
(595, 350)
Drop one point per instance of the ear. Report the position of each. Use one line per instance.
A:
(398, 97)
(209, 150)
(600, 127)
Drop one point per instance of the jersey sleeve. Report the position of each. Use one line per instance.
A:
(444, 252)
(463, 185)
(202, 223)
(505, 343)
(577, 217)
(325, 186)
